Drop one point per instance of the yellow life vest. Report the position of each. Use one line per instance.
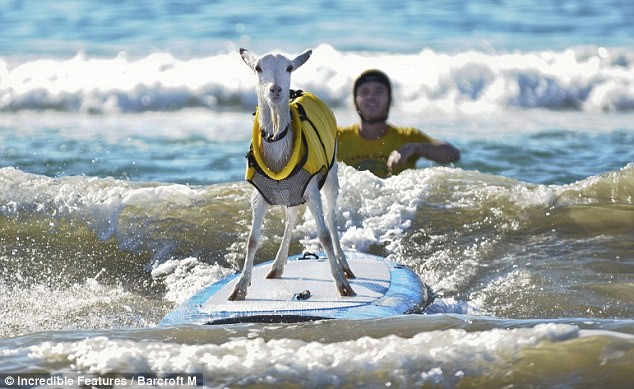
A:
(314, 151)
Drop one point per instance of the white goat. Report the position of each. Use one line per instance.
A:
(275, 148)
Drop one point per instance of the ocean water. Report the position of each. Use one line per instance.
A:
(123, 130)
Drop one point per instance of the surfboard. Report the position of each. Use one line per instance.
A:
(307, 292)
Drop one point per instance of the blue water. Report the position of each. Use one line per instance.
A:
(61, 28)
(123, 130)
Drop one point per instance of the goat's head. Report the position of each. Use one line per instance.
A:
(274, 75)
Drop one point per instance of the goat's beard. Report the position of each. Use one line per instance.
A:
(274, 115)
(275, 119)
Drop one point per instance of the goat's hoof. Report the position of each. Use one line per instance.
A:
(346, 290)
(349, 274)
(274, 273)
(237, 295)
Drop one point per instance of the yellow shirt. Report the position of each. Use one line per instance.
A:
(372, 155)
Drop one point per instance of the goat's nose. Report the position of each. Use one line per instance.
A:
(276, 89)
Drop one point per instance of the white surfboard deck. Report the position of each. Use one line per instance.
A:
(383, 288)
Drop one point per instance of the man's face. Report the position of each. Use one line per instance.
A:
(373, 100)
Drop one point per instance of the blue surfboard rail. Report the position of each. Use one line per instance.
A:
(406, 294)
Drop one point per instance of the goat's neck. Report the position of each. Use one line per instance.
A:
(273, 121)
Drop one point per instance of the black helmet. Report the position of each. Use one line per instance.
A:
(372, 75)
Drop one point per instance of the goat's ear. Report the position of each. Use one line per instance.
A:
(301, 59)
(248, 58)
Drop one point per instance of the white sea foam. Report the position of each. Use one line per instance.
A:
(578, 78)
(374, 211)
(184, 277)
(87, 304)
(441, 357)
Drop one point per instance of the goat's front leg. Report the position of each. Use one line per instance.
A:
(330, 193)
(315, 206)
(341, 256)
(282, 254)
(258, 209)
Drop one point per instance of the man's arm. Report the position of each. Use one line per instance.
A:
(437, 151)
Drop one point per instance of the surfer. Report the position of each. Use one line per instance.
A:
(378, 146)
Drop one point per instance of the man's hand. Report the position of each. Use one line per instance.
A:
(393, 160)
(401, 156)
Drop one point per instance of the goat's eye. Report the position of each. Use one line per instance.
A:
(289, 68)
(258, 69)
